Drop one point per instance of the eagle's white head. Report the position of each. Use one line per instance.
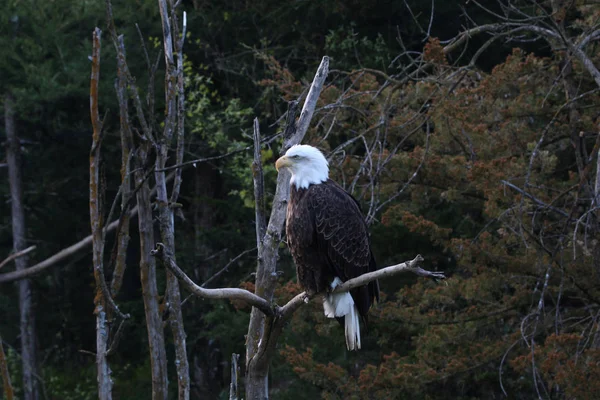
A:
(307, 165)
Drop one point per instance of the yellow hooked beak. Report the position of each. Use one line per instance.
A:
(283, 162)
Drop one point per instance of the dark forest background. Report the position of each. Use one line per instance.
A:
(481, 157)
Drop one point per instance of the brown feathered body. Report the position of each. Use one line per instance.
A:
(328, 238)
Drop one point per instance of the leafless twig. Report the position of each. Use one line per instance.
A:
(17, 255)
(259, 186)
(226, 267)
(535, 199)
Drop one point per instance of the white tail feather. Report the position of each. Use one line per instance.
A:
(337, 304)
(342, 305)
(352, 329)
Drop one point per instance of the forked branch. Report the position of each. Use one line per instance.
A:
(407, 266)
(287, 310)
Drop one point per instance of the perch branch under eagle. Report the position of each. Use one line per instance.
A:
(341, 242)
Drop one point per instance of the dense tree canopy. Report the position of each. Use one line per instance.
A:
(468, 133)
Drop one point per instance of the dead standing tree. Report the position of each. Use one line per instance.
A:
(139, 153)
(140, 158)
(174, 120)
(19, 230)
(105, 306)
(96, 220)
(267, 319)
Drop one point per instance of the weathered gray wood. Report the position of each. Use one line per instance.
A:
(150, 296)
(174, 122)
(97, 223)
(16, 255)
(19, 231)
(235, 373)
(66, 252)
(156, 340)
(258, 344)
(126, 148)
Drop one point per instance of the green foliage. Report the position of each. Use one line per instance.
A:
(133, 381)
(225, 325)
(59, 382)
(13, 363)
(71, 384)
(347, 49)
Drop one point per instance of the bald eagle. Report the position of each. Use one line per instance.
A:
(328, 238)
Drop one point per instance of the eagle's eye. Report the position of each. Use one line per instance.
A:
(296, 156)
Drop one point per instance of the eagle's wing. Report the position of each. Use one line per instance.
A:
(342, 234)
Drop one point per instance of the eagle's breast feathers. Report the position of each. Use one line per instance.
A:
(328, 239)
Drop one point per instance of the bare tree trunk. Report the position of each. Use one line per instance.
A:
(154, 325)
(97, 225)
(263, 331)
(102, 368)
(27, 321)
(156, 340)
(126, 149)
(257, 381)
(175, 117)
(173, 300)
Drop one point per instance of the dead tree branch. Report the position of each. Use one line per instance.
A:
(259, 185)
(96, 195)
(387, 272)
(53, 260)
(408, 266)
(309, 105)
(269, 309)
(250, 298)
(180, 108)
(17, 255)
(535, 199)
(276, 317)
(66, 252)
